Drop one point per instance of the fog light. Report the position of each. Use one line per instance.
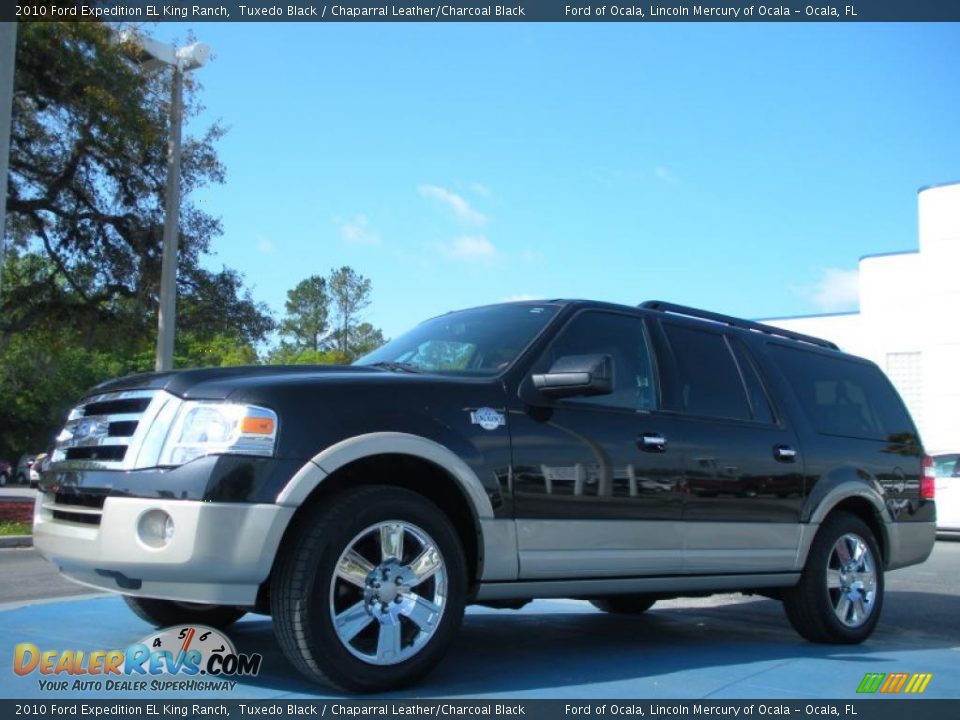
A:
(156, 528)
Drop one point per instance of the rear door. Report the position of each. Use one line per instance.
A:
(860, 425)
(743, 473)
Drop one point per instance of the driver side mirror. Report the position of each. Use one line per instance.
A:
(577, 376)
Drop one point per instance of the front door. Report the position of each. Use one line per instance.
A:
(596, 480)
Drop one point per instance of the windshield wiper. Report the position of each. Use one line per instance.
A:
(395, 366)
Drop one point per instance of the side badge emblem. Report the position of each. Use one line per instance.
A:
(487, 418)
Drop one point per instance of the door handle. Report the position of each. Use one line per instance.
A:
(784, 453)
(652, 442)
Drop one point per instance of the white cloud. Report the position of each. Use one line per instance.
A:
(531, 257)
(481, 189)
(837, 290)
(522, 297)
(663, 173)
(469, 247)
(357, 231)
(265, 246)
(461, 208)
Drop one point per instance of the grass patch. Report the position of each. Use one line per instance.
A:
(15, 528)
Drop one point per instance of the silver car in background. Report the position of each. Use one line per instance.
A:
(946, 467)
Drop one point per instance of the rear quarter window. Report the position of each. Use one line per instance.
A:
(845, 397)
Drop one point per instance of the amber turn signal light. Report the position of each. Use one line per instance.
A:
(256, 426)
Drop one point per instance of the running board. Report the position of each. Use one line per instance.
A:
(673, 585)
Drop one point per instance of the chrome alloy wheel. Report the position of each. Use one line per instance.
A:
(388, 592)
(852, 580)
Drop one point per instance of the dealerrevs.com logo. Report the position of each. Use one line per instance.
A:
(181, 658)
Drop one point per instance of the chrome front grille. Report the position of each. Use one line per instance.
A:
(107, 431)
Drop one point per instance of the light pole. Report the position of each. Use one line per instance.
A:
(8, 50)
(184, 60)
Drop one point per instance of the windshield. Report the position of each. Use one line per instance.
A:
(482, 341)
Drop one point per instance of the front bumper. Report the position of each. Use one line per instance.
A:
(219, 552)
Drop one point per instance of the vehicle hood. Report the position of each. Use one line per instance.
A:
(218, 383)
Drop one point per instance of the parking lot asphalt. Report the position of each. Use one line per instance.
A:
(722, 647)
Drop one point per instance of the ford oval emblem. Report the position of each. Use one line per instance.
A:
(84, 429)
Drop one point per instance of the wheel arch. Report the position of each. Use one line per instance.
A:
(857, 493)
(399, 460)
(866, 511)
(346, 452)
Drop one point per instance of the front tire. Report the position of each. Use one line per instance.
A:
(840, 594)
(164, 613)
(624, 604)
(370, 594)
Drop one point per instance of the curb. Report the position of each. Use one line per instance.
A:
(16, 541)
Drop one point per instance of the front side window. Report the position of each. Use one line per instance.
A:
(481, 342)
(623, 338)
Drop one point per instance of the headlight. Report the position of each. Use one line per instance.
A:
(210, 428)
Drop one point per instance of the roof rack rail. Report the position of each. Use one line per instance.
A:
(736, 322)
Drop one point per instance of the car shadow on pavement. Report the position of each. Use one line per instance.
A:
(560, 644)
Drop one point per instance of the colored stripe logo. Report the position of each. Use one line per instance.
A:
(891, 683)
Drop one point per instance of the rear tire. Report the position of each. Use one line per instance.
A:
(840, 594)
(164, 613)
(624, 604)
(369, 591)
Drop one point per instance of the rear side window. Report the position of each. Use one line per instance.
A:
(845, 397)
(759, 402)
(710, 382)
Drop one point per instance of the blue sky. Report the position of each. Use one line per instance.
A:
(743, 168)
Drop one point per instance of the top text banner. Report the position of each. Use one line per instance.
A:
(482, 11)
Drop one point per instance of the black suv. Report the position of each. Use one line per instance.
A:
(527, 450)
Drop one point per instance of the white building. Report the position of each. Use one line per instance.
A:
(909, 319)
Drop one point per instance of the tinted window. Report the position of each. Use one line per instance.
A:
(623, 338)
(482, 341)
(845, 397)
(709, 380)
(759, 402)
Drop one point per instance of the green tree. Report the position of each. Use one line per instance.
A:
(365, 338)
(42, 374)
(221, 350)
(323, 322)
(308, 307)
(87, 174)
(84, 228)
(350, 294)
